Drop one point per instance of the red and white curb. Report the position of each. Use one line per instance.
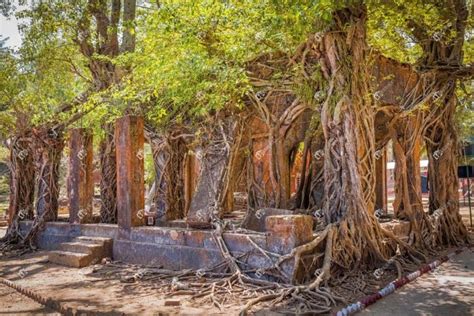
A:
(392, 286)
(46, 301)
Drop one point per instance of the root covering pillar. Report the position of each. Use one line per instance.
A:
(129, 139)
(381, 182)
(22, 179)
(80, 182)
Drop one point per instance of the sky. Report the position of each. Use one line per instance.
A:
(9, 28)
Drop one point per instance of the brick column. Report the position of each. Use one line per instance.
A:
(190, 167)
(381, 182)
(80, 185)
(129, 141)
(285, 232)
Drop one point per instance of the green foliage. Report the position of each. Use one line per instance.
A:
(192, 55)
(43, 74)
(465, 110)
(11, 84)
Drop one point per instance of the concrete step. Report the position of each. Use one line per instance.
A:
(96, 250)
(94, 240)
(106, 243)
(82, 251)
(70, 259)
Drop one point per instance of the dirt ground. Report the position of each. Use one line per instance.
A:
(76, 289)
(13, 303)
(448, 291)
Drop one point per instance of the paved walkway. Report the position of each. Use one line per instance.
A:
(449, 290)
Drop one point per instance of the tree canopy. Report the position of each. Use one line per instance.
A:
(190, 57)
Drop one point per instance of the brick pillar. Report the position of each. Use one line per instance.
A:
(285, 232)
(189, 180)
(80, 185)
(381, 182)
(129, 140)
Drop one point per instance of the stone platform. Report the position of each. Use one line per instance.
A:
(184, 248)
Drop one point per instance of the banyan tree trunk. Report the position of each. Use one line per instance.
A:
(310, 192)
(22, 183)
(108, 178)
(406, 137)
(22, 176)
(439, 130)
(281, 127)
(406, 149)
(442, 148)
(347, 119)
(218, 153)
(169, 155)
(49, 146)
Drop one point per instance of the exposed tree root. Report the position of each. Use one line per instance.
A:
(232, 282)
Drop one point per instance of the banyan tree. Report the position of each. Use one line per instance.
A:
(246, 125)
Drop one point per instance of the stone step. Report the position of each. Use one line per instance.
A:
(94, 240)
(107, 243)
(82, 251)
(70, 259)
(97, 250)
